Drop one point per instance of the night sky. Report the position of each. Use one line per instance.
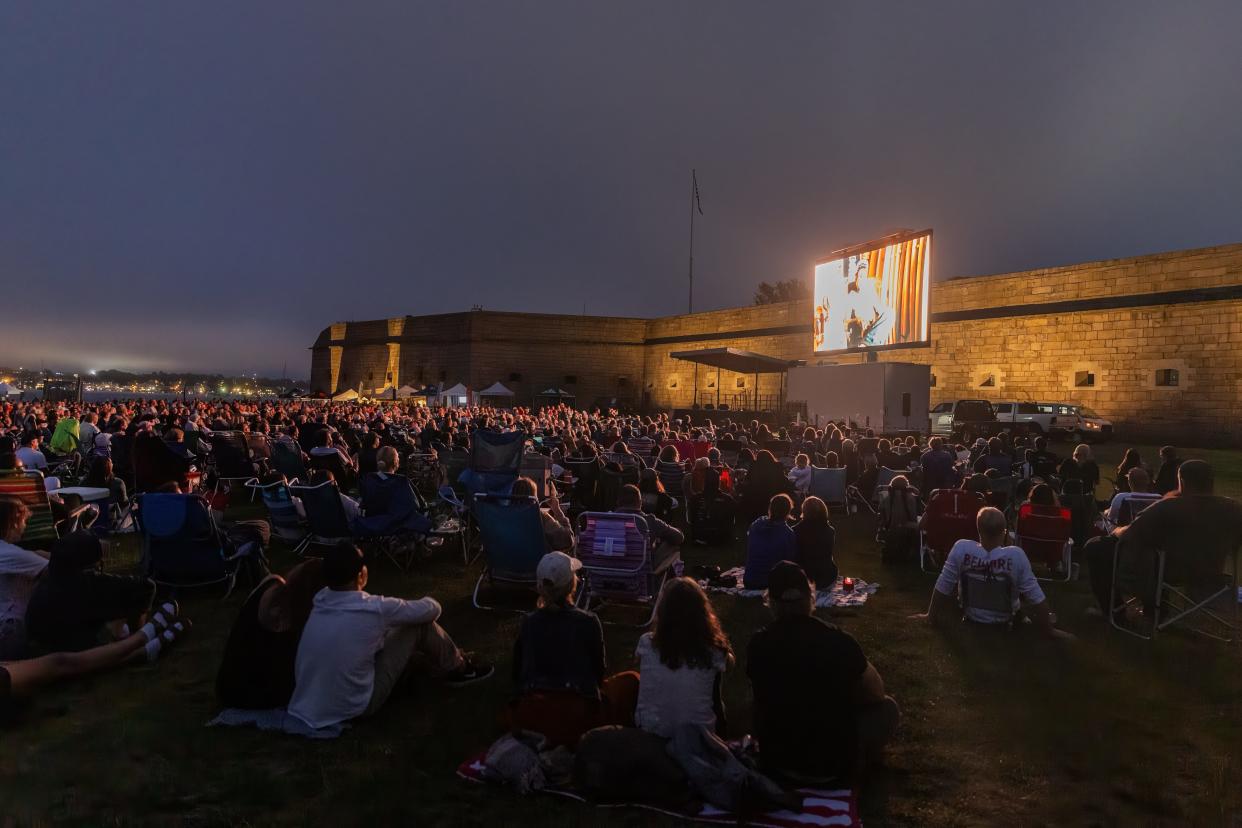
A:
(207, 185)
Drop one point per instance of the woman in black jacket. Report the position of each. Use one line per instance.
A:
(815, 539)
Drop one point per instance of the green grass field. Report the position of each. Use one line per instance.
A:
(997, 728)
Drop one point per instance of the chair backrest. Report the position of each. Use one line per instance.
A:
(618, 540)
(454, 461)
(156, 464)
(325, 515)
(670, 474)
(230, 454)
(181, 545)
(987, 591)
(287, 459)
(610, 483)
(334, 463)
(1042, 531)
(260, 447)
(828, 485)
(949, 517)
(538, 467)
(286, 524)
(884, 475)
(1133, 505)
(29, 488)
(496, 451)
(423, 470)
(512, 532)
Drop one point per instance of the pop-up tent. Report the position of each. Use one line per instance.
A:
(7, 390)
(406, 391)
(555, 395)
(348, 395)
(457, 395)
(496, 389)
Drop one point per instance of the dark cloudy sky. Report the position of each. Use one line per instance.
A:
(206, 185)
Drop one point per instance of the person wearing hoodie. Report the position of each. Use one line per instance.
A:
(769, 541)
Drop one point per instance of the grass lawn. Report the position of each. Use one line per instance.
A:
(997, 728)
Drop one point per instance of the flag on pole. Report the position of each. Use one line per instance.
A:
(695, 178)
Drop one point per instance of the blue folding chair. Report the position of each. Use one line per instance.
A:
(325, 516)
(181, 545)
(287, 459)
(513, 541)
(828, 485)
(394, 517)
(495, 462)
(282, 513)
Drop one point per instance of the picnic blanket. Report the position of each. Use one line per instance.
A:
(835, 597)
(820, 807)
(275, 719)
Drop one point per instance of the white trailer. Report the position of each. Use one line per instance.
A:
(888, 397)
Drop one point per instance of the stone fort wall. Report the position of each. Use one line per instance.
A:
(1105, 334)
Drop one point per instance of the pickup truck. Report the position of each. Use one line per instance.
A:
(1074, 422)
(966, 420)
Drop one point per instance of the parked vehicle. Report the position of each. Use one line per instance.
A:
(966, 420)
(1074, 422)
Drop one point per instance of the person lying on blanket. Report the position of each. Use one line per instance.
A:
(559, 665)
(357, 647)
(820, 710)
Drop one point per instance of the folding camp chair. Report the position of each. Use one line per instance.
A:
(287, 459)
(828, 485)
(1001, 494)
(181, 545)
(260, 447)
(513, 541)
(454, 462)
(423, 470)
(985, 590)
(583, 496)
(325, 515)
(950, 516)
(1173, 604)
(42, 527)
(618, 554)
(1130, 508)
(611, 482)
(538, 467)
(282, 512)
(394, 517)
(231, 460)
(1043, 533)
(495, 461)
(671, 476)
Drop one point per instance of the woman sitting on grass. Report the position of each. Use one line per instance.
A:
(559, 665)
(681, 663)
(815, 539)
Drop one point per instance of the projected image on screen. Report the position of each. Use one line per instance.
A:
(873, 296)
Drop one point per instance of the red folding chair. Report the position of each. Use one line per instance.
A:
(949, 517)
(1045, 534)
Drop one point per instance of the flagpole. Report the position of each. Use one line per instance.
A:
(690, 304)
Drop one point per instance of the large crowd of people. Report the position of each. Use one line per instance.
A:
(317, 644)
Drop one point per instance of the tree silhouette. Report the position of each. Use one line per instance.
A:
(789, 290)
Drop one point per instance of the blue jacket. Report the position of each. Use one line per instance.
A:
(767, 543)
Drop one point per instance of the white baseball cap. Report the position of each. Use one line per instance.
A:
(556, 570)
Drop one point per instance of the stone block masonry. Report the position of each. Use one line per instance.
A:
(1153, 343)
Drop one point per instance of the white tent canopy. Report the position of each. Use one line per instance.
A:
(406, 391)
(347, 395)
(496, 389)
(7, 390)
(457, 395)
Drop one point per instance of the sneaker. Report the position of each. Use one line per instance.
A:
(469, 673)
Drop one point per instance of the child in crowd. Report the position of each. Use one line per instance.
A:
(800, 474)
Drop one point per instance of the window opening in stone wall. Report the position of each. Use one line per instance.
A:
(1084, 379)
(741, 382)
(988, 382)
(933, 381)
(1167, 377)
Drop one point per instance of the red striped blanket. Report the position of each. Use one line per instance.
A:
(819, 808)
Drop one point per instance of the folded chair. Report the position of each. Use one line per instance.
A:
(617, 554)
(325, 515)
(42, 528)
(282, 513)
(1043, 533)
(513, 542)
(181, 545)
(949, 517)
(1213, 599)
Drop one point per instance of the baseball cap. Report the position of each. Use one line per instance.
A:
(556, 570)
(787, 582)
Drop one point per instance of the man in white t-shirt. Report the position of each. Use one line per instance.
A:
(356, 647)
(989, 556)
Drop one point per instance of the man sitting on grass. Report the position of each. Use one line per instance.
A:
(820, 708)
(357, 647)
(991, 558)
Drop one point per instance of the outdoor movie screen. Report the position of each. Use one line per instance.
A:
(873, 295)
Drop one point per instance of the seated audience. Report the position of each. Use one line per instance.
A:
(1166, 474)
(357, 647)
(75, 606)
(814, 538)
(669, 538)
(769, 540)
(557, 529)
(1080, 466)
(20, 569)
(800, 474)
(317, 478)
(389, 502)
(1195, 529)
(559, 668)
(1131, 460)
(990, 557)
(820, 709)
(1042, 494)
(257, 669)
(29, 453)
(899, 521)
(995, 460)
(681, 663)
(1137, 482)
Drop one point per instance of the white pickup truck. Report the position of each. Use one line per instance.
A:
(1077, 423)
